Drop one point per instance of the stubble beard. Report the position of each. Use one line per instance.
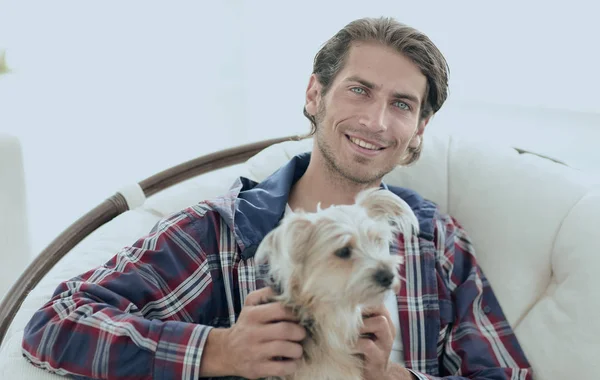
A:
(344, 174)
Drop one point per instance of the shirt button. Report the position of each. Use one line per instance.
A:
(487, 309)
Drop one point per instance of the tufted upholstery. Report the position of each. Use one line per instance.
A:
(533, 223)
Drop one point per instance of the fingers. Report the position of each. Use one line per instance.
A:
(380, 310)
(366, 348)
(375, 310)
(279, 348)
(260, 296)
(280, 368)
(273, 312)
(282, 331)
(267, 336)
(265, 309)
(378, 326)
(378, 330)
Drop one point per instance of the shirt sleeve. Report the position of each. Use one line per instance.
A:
(131, 318)
(480, 343)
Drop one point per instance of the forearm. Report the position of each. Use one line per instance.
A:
(132, 317)
(97, 341)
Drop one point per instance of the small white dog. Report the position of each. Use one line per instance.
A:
(330, 264)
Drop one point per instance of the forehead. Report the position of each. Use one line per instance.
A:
(388, 69)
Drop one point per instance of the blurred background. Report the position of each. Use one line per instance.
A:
(103, 94)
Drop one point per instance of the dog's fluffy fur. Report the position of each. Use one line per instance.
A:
(327, 266)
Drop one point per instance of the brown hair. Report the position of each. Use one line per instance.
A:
(415, 45)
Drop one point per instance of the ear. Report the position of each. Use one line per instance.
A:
(284, 249)
(418, 137)
(290, 236)
(269, 248)
(299, 231)
(383, 204)
(313, 95)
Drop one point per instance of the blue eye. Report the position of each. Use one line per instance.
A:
(402, 105)
(358, 90)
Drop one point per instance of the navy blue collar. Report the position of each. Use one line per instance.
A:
(261, 206)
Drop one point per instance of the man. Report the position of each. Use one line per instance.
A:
(185, 302)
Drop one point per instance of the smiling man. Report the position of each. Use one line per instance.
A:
(184, 302)
(365, 119)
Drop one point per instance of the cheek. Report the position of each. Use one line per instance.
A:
(340, 265)
(404, 130)
(331, 273)
(339, 111)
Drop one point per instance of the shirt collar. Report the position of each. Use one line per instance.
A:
(260, 206)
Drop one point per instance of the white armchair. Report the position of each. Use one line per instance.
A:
(14, 243)
(533, 223)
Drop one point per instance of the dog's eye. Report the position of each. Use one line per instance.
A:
(343, 253)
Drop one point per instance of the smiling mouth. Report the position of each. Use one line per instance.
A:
(363, 144)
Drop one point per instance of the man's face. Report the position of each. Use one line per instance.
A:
(370, 114)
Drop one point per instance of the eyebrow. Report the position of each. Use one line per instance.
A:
(370, 85)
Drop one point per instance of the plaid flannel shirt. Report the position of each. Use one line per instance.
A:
(148, 311)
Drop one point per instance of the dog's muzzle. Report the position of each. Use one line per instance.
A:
(384, 277)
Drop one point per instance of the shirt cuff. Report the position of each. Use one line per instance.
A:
(179, 350)
(417, 375)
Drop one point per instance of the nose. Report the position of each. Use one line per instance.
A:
(384, 277)
(374, 117)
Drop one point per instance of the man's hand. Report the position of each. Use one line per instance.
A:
(265, 341)
(375, 345)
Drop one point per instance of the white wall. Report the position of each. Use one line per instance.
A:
(109, 93)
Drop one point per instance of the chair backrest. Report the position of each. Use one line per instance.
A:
(532, 222)
(88, 226)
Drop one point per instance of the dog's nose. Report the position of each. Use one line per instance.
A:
(384, 277)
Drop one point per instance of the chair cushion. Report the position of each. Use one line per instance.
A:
(530, 220)
(527, 217)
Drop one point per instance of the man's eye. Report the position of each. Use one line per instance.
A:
(402, 105)
(358, 90)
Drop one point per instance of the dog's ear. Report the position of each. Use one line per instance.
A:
(270, 260)
(383, 204)
(284, 248)
(289, 236)
(269, 247)
(300, 231)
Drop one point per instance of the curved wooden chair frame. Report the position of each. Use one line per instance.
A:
(116, 205)
(111, 208)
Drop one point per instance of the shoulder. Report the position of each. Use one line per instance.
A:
(439, 226)
(454, 251)
(443, 236)
(449, 235)
(194, 229)
(452, 245)
(424, 209)
(190, 217)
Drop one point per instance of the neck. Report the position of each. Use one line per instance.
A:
(331, 327)
(321, 184)
(340, 325)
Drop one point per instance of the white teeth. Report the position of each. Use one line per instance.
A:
(363, 144)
